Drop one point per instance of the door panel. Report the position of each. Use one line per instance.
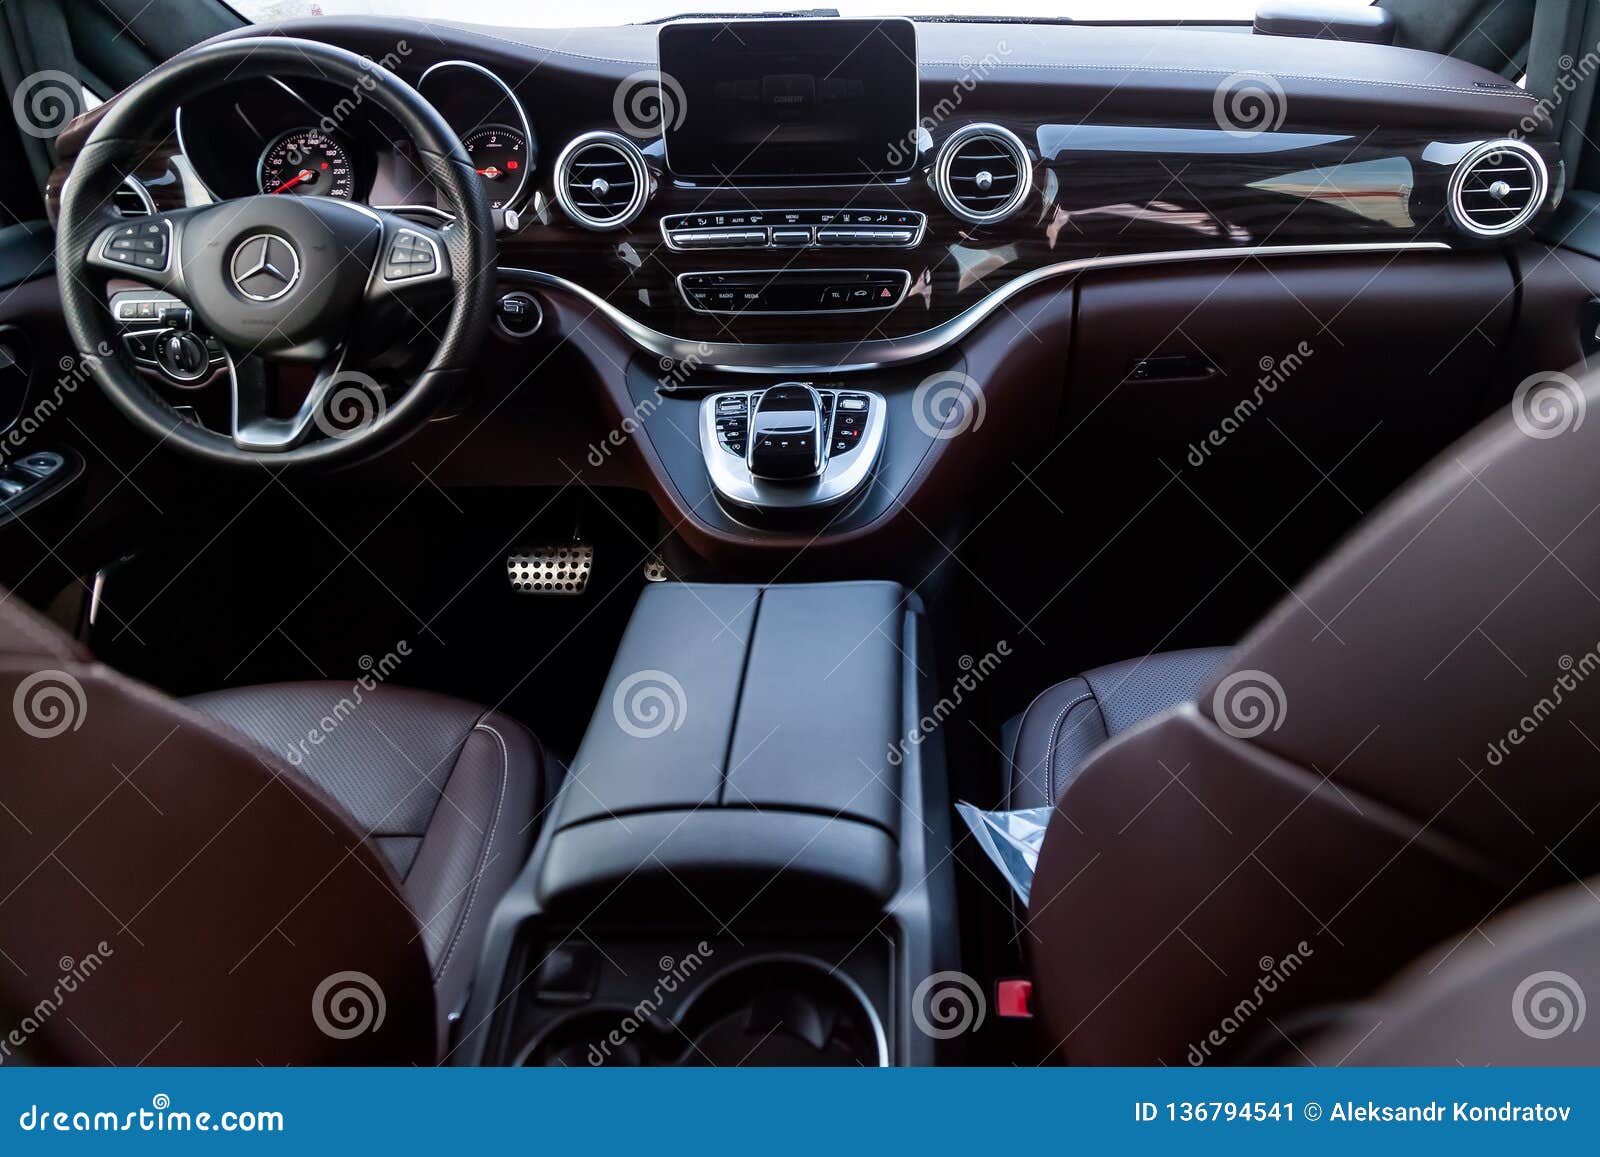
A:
(1182, 501)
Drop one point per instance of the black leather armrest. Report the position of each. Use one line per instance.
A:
(745, 741)
(1321, 21)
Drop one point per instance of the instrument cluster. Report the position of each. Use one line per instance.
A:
(302, 140)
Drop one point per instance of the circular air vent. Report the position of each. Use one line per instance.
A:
(601, 180)
(132, 199)
(1497, 187)
(982, 173)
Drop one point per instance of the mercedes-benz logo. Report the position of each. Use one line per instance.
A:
(265, 267)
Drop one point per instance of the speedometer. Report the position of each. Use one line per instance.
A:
(307, 162)
(500, 154)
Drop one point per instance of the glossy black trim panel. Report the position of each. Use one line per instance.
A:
(836, 357)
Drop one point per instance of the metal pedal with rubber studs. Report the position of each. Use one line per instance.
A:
(551, 570)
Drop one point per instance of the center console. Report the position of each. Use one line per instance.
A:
(791, 446)
(750, 852)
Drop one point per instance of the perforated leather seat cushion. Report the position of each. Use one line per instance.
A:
(448, 791)
(1049, 742)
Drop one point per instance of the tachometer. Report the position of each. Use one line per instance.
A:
(307, 162)
(500, 154)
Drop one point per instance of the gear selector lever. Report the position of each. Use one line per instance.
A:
(786, 434)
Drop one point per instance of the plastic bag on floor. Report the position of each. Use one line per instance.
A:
(1011, 839)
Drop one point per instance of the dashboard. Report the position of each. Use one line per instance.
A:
(837, 193)
(711, 207)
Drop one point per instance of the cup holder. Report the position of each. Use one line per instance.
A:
(603, 1036)
(769, 1011)
(781, 1011)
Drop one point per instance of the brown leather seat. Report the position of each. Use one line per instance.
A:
(285, 874)
(448, 791)
(1048, 743)
(1401, 750)
(1515, 994)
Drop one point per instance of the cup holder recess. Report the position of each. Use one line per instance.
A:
(770, 1011)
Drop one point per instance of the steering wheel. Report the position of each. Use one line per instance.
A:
(311, 280)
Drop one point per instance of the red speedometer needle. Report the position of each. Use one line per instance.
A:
(302, 175)
(491, 171)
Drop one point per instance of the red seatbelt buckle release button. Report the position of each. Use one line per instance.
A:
(1013, 999)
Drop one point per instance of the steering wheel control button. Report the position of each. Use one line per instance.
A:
(265, 267)
(143, 246)
(518, 314)
(410, 255)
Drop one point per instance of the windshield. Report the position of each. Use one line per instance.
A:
(549, 14)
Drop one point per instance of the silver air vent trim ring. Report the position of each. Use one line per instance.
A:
(1458, 177)
(1006, 140)
(143, 194)
(636, 166)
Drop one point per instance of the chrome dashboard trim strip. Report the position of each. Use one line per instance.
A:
(876, 353)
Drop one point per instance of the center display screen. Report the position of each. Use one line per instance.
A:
(803, 99)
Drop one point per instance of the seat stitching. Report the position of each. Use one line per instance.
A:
(1050, 751)
(494, 824)
(1015, 760)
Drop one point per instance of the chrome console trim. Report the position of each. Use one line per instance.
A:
(841, 478)
(840, 357)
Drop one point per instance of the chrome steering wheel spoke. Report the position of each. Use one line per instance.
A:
(341, 403)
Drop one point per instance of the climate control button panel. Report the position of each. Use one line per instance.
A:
(795, 229)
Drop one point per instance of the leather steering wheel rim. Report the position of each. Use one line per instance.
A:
(142, 115)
